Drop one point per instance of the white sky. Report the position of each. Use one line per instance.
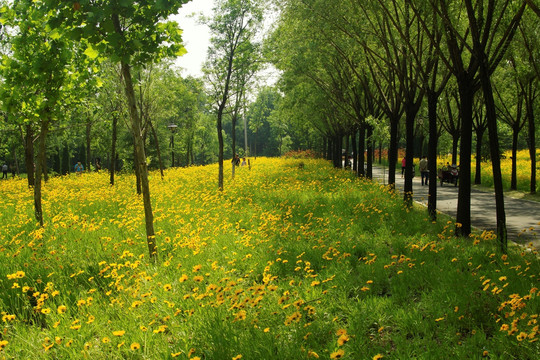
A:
(196, 37)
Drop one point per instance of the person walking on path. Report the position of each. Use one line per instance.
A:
(403, 166)
(424, 173)
(4, 171)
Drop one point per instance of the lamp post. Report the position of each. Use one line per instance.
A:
(173, 128)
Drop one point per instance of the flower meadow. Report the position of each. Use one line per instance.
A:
(293, 260)
(523, 170)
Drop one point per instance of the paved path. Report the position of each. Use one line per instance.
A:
(520, 214)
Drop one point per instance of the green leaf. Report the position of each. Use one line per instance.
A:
(91, 52)
(181, 51)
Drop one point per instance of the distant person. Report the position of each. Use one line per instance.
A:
(98, 164)
(79, 168)
(424, 172)
(4, 171)
(244, 163)
(236, 160)
(403, 166)
(12, 170)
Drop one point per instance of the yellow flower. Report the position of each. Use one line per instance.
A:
(312, 354)
(337, 354)
(135, 346)
(377, 357)
(197, 268)
(237, 357)
(343, 339)
(119, 333)
(106, 340)
(176, 354)
(167, 287)
(183, 278)
(61, 309)
(7, 318)
(266, 330)
(3, 344)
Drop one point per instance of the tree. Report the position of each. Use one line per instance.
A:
(131, 33)
(39, 76)
(233, 28)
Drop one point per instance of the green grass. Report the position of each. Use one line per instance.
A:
(289, 262)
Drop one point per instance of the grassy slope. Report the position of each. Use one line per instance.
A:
(287, 263)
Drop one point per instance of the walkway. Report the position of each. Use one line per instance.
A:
(520, 214)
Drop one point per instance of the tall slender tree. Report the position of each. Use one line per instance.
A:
(131, 33)
(233, 26)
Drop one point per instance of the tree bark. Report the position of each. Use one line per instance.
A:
(432, 99)
(463, 217)
(361, 146)
(220, 152)
(88, 153)
(355, 151)
(495, 159)
(479, 143)
(393, 151)
(29, 154)
(38, 210)
(140, 160)
(369, 155)
(113, 149)
(532, 137)
(410, 114)
(515, 134)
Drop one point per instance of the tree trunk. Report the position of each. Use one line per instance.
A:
(393, 151)
(432, 98)
(220, 152)
(369, 155)
(346, 160)
(479, 142)
(233, 135)
(495, 159)
(355, 151)
(532, 136)
(463, 217)
(361, 146)
(455, 141)
(113, 149)
(29, 154)
(140, 161)
(139, 148)
(38, 211)
(137, 170)
(88, 154)
(515, 134)
(410, 114)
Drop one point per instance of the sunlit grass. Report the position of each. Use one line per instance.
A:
(293, 260)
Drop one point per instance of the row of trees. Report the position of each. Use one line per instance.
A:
(465, 66)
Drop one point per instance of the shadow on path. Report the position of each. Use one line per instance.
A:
(522, 216)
